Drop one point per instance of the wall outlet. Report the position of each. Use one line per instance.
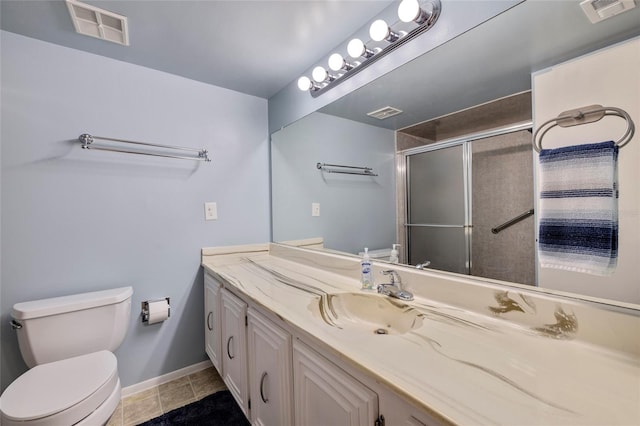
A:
(315, 209)
(210, 211)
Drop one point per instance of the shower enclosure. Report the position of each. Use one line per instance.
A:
(469, 204)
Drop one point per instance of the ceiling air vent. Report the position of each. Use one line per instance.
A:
(95, 22)
(385, 112)
(599, 10)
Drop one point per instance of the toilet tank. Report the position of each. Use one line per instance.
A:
(63, 327)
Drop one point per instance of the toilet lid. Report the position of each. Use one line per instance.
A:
(50, 388)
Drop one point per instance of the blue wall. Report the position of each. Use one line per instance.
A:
(75, 220)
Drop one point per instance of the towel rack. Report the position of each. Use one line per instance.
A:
(584, 115)
(348, 170)
(87, 141)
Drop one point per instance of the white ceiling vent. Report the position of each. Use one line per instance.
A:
(95, 22)
(599, 10)
(385, 112)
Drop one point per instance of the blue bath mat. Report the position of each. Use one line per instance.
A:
(219, 409)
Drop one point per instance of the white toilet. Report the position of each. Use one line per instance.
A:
(67, 342)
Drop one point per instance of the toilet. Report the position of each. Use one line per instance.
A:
(68, 343)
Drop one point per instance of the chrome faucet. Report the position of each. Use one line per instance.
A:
(394, 287)
(423, 264)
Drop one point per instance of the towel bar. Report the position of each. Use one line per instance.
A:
(87, 140)
(347, 170)
(584, 115)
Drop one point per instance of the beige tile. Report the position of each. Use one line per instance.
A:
(176, 393)
(140, 407)
(128, 400)
(206, 382)
(116, 417)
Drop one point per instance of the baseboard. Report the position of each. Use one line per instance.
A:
(155, 381)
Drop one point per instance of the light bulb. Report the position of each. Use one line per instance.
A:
(356, 49)
(379, 30)
(319, 74)
(304, 83)
(409, 10)
(337, 63)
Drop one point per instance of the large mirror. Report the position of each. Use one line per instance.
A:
(372, 207)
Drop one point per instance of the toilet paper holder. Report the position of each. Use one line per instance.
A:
(145, 308)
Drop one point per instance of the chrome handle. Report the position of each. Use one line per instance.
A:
(228, 343)
(15, 325)
(513, 221)
(262, 379)
(393, 276)
(209, 326)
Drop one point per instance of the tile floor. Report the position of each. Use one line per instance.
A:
(146, 405)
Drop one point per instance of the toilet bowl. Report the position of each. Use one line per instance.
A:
(74, 375)
(64, 392)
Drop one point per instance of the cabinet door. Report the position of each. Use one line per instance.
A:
(326, 395)
(212, 321)
(397, 411)
(269, 372)
(234, 347)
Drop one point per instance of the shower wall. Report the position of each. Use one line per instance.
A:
(502, 182)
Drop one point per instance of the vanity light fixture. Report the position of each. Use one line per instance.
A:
(422, 13)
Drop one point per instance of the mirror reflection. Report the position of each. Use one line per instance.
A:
(455, 177)
(445, 209)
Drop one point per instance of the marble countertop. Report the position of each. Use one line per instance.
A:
(461, 365)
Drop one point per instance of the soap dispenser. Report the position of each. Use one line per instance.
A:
(393, 258)
(367, 273)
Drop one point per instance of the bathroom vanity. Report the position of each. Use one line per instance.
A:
(297, 342)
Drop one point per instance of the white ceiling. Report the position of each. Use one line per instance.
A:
(255, 47)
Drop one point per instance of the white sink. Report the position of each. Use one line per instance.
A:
(370, 312)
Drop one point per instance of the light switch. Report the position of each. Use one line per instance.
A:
(315, 209)
(210, 211)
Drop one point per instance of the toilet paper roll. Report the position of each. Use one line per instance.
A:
(158, 311)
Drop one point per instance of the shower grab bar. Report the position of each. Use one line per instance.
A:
(88, 139)
(513, 221)
(363, 171)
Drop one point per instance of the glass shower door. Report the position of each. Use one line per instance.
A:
(437, 220)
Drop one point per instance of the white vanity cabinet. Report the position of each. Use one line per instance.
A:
(234, 347)
(212, 320)
(270, 382)
(327, 395)
(280, 377)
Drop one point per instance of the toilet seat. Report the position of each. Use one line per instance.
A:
(61, 392)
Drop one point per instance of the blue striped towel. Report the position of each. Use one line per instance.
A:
(579, 208)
